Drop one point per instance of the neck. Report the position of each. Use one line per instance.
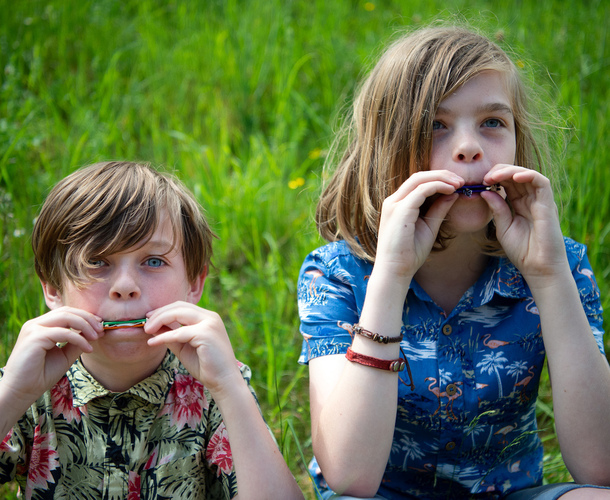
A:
(119, 377)
(448, 274)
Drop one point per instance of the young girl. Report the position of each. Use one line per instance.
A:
(446, 252)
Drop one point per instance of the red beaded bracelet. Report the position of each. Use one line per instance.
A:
(392, 365)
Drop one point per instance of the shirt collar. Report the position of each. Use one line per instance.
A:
(501, 277)
(153, 389)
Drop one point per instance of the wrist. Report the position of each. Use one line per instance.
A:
(392, 272)
(227, 388)
(387, 287)
(14, 404)
(543, 282)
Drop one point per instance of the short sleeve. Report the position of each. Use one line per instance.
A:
(330, 296)
(13, 453)
(587, 288)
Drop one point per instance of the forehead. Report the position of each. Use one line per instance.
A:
(484, 90)
(162, 240)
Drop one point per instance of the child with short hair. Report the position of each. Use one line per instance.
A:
(427, 318)
(126, 388)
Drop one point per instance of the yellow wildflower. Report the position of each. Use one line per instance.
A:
(314, 154)
(296, 183)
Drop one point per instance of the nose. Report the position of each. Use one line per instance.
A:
(467, 148)
(124, 284)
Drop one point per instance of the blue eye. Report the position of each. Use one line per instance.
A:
(492, 123)
(436, 125)
(154, 262)
(95, 263)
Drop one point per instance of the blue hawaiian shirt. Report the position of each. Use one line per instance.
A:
(469, 426)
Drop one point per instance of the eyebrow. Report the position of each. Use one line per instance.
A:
(163, 246)
(492, 107)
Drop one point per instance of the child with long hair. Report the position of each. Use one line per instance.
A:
(447, 280)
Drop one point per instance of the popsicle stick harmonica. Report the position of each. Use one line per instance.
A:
(132, 323)
(476, 188)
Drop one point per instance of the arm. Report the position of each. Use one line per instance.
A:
(353, 407)
(203, 347)
(37, 362)
(580, 374)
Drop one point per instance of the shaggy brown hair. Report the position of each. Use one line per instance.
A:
(107, 208)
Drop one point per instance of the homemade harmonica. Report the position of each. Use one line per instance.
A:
(132, 323)
(476, 188)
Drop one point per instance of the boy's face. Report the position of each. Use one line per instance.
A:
(131, 284)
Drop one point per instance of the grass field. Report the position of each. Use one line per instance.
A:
(240, 98)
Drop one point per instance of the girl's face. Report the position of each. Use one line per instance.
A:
(474, 129)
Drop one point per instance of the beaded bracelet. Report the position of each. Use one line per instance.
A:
(392, 365)
(375, 336)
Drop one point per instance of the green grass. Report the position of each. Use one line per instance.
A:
(240, 97)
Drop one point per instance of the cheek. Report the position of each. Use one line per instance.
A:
(163, 295)
(87, 298)
(440, 157)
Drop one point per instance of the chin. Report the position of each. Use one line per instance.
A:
(125, 347)
(469, 219)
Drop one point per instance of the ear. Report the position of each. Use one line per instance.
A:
(52, 296)
(196, 287)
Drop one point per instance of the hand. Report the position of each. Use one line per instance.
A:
(530, 234)
(199, 339)
(406, 239)
(37, 361)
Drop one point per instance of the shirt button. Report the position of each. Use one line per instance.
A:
(447, 330)
(451, 389)
(450, 446)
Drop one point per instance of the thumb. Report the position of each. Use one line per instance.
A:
(437, 213)
(500, 211)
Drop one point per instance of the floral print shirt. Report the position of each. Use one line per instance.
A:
(469, 425)
(163, 438)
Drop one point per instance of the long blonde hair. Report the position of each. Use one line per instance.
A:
(389, 135)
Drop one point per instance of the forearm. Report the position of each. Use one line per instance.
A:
(352, 436)
(580, 379)
(260, 468)
(353, 427)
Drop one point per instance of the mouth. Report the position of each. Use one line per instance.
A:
(476, 188)
(115, 325)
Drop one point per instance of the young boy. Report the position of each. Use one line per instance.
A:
(96, 406)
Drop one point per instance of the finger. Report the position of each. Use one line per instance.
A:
(502, 172)
(70, 352)
(437, 213)
(182, 335)
(62, 336)
(174, 315)
(500, 211)
(88, 324)
(433, 181)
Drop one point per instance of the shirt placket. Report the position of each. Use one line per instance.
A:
(450, 390)
(118, 447)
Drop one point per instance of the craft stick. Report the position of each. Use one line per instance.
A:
(114, 325)
(476, 188)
